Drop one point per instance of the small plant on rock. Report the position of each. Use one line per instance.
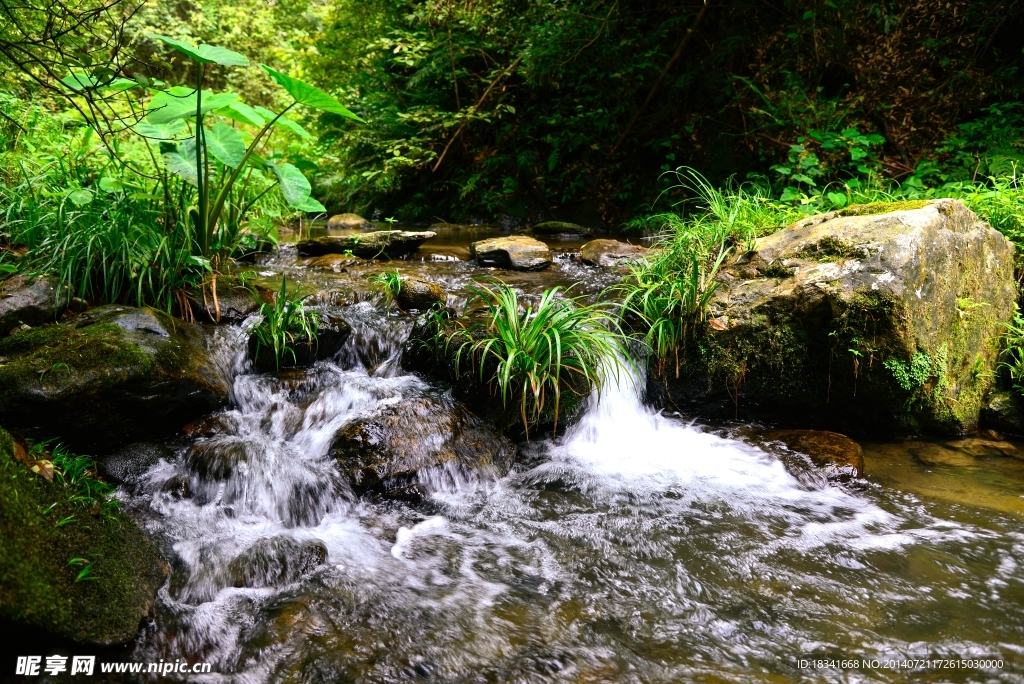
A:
(389, 283)
(533, 353)
(284, 323)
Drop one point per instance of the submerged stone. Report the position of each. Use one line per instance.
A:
(515, 252)
(399, 451)
(275, 561)
(840, 456)
(41, 531)
(882, 323)
(115, 376)
(388, 244)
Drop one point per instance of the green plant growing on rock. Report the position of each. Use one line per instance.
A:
(283, 323)
(533, 353)
(1013, 353)
(389, 283)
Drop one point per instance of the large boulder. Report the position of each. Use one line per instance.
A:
(42, 528)
(390, 244)
(610, 253)
(839, 456)
(515, 252)
(879, 319)
(115, 376)
(559, 228)
(30, 301)
(405, 448)
(342, 221)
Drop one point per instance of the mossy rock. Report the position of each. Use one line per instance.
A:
(877, 323)
(114, 376)
(38, 587)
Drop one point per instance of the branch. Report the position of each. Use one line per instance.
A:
(508, 70)
(657, 84)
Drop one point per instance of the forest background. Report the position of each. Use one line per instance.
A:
(526, 110)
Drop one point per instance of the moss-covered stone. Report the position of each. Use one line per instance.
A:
(895, 333)
(115, 376)
(41, 533)
(882, 207)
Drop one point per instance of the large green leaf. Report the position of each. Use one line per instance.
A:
(225, 144)
(167, 106)
(284, 122)
(294, 185)
(239, 111)
(311, 205)
(204, 54)
(167, 131)
(180, 159)
(308, 95)
(79, 81)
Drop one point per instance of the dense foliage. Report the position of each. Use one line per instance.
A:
(541, 108)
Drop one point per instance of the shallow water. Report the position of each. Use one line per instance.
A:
(638, 547)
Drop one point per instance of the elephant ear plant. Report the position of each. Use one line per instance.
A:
(201, 141)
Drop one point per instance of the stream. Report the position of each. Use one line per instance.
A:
(638, 547)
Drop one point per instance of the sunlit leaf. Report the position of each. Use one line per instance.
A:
(80, 197)
(311, 205)
(284, 122)
(169, 106)
(166, 131)
(204, 54)
(243, 113)
(112, 185)
(225, 144)
(294, 185)
(308, 95)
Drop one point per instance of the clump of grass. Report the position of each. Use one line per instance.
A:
(533, 354)
(389, 283)
(78, 475)
(283, 323)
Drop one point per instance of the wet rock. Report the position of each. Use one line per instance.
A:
(1004, 411)
(515, 252)
(276, 561)
(339, 263)
(559, 228)
(179, 487)
(217, 458)
(332, 331)
(879, 320)
(129, 464)
(115, 376)
(419, 294)
(610, 253)
(340, 221)
(30, 301)
(986, 448)
(933, 454)
(393, 452)
(840, 456)
(389, 244)
(38, 587)
(234, 302)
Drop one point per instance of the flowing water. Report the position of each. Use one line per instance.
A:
(637, 547)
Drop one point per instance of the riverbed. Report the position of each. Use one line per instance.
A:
(637, 547)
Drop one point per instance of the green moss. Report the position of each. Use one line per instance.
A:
(38, 584)
(882, 207)
(831, 249)
(912, 374)
(61, 357)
